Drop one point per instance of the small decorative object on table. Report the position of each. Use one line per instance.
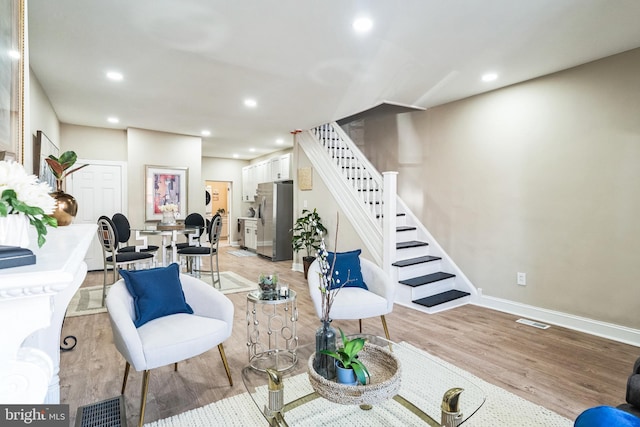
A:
(383, 384)
(169, 213)
(350, 369)
(329, 288)
(67, 207)
(268, 284)
(23, 201)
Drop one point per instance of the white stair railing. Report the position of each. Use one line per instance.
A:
(356, 186)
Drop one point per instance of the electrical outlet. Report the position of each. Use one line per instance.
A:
(304, 204)
(522, 279)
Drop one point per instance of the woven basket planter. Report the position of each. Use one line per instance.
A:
(384, 383)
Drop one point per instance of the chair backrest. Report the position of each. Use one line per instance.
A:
(195, 220)
(215, 228)
(122, 226)
(107, 235)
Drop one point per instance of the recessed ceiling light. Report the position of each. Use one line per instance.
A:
(489, 77)
(362, 25)
(251, 103)
(252, 150)
(279, 141)
(235, 156)
(14, 54)
(113, 120)
(206, 132)
(114, 75)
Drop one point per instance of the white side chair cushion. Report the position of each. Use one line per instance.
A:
(357, 302)
(178, 337)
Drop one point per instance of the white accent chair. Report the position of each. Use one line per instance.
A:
(357, 303)
(173, 338)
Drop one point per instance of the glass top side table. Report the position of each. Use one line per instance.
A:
(271, 330)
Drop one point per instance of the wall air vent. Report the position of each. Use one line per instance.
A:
(532, 323)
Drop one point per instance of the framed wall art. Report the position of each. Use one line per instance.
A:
(165, 185)
(12, 77)
(42, 149)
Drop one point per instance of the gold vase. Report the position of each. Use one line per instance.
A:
(66, 206)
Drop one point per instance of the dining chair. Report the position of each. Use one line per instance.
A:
(193, 253)
(108, 237)
(192, 220)
(123, 227)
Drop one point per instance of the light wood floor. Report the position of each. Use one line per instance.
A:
(560, 369)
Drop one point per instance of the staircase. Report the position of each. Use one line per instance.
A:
(428, 280)
(422, 282)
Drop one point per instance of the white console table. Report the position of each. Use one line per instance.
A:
(33, 302)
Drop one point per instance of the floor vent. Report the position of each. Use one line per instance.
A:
(534, 324)
(108, 413)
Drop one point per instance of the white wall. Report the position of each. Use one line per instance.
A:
(94, 143)
(42, 117)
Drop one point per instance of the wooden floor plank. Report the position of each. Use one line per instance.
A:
(561, 369)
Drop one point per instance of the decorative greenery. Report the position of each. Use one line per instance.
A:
(348, 356)
(60, 165)
(23, 193)
(307, 232)
(330, 285)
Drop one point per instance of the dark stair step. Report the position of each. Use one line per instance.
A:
(410, 244)
(414, 261)
(405, 228)
(438, 299)
(425, 280)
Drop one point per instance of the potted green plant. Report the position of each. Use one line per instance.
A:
(307, 234)
(347, 360)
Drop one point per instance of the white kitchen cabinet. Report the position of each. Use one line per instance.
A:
(251, 234)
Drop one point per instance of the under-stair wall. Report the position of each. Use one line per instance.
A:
(427, 279)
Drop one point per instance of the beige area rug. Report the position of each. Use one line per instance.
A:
(88, 300)
(501, 408)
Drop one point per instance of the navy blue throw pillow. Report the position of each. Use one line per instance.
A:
(347, 267)
(156, 292)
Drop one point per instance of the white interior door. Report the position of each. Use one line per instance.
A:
(99, 190)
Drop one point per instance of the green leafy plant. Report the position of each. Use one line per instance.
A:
(59, 166)
(348, 356)
(21, 193)
(307, 232)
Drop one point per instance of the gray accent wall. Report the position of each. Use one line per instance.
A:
(541, 177)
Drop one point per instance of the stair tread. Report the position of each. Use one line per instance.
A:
(414, 261)
(410, 244)
(425, 280)
(405, 228)
(438, 299)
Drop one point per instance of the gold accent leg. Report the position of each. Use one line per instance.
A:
(225, 363)
(126, 375)
(143, 402)
(386, 330)
(360, 324)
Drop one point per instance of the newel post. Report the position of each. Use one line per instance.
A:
(389, 198)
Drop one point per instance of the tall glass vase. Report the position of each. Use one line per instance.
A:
(325, 340)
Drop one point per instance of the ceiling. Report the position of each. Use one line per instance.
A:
(188, 65)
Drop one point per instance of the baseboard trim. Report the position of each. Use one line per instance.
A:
(594, 327)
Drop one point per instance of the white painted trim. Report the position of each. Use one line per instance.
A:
(594, 327)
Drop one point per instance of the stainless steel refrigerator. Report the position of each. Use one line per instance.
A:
(275, 220)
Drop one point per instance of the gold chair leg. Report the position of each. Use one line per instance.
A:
(386, 330)
(126, 375)
(143, 403)
(225, 363)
